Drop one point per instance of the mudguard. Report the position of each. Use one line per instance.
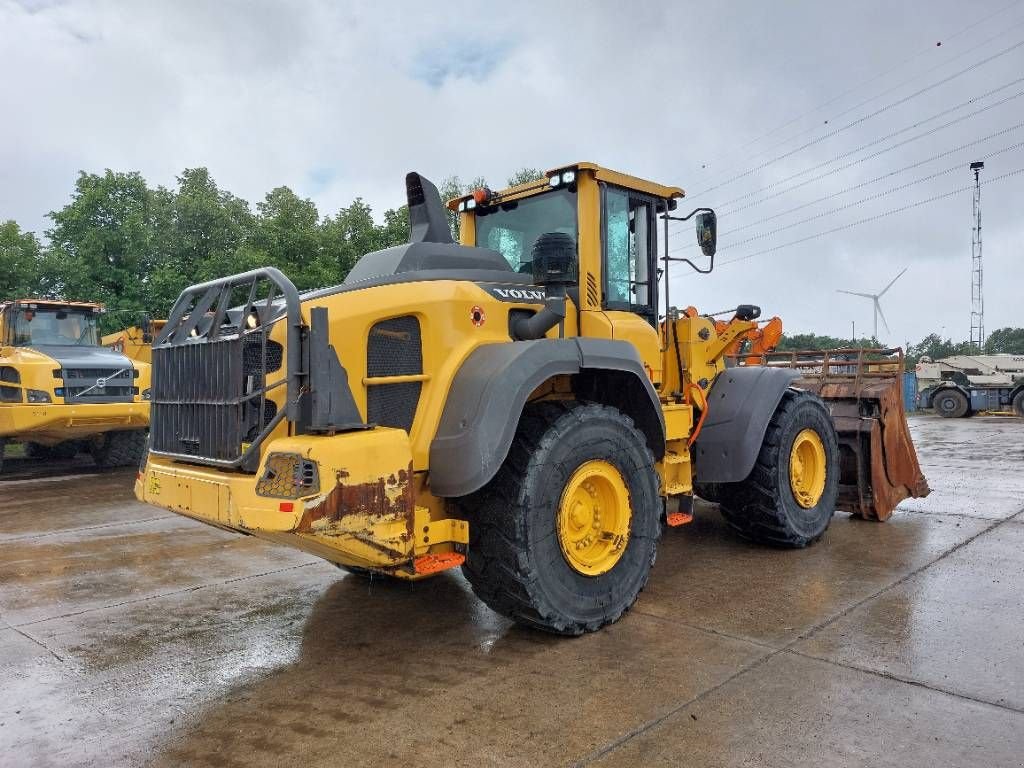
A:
(740, 405)
(491, 388)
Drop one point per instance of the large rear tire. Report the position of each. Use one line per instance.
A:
(564, 537)
(3, 448)
(1018, 404)
(790, 495)
(118, 449)
(950, 403)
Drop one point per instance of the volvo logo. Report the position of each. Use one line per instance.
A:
(527, 295)
(101, 383)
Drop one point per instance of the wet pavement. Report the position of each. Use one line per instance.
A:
(130, 636)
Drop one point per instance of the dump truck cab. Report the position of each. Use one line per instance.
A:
(61, 392)
(525, 403)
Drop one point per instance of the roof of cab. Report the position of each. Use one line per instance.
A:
(54, 303)
(600, 173)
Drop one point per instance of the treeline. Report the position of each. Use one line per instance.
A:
(1003, 340)
(134, 247)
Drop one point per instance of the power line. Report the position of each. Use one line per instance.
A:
(878, 76)
(869, 219)
(860, 120)
(880, 152)
(733, 230)
(868, 199)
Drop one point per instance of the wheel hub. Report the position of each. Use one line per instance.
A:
(807, 469)
(593, 518)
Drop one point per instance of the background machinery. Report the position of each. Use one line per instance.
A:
(135, 342)
(61, 392)
(526, 404)
(962, 385)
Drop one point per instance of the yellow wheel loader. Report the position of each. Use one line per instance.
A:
(61, 392)
(526, 404)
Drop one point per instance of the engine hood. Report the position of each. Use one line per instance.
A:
(75, 356)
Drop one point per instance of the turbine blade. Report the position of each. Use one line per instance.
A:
(881, 314)
(854, 293)
(893, 281)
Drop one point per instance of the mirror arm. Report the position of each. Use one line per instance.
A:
(687, 217)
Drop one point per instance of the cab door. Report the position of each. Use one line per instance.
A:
(629, 295)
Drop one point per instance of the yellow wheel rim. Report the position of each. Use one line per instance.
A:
(593, 518)
(807, 468)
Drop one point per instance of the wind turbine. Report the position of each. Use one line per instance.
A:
(874, 298)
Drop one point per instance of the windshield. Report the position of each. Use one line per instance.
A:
(35, 327)
(512, 228)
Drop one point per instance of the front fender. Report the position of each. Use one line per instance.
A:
(490, 390)
(740, 405)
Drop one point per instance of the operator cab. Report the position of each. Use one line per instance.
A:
(36, 323)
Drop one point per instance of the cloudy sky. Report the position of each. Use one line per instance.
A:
(754, 108)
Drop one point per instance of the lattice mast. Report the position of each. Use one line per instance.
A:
(977, 299)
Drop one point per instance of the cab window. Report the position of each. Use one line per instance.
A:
(512, 228)
(630, 248)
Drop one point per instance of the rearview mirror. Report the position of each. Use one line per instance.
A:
(707, 232)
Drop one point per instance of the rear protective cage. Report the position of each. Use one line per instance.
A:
(211, 365)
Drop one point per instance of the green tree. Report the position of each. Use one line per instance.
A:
(812, 341)
(287, 236)
(20, 263)
(1008, 340)
(934, 346)
(201, 232)
(524, 175)
(101, 243)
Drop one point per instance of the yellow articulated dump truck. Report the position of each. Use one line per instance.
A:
(136, 342)
(527, 404)
(61, 392)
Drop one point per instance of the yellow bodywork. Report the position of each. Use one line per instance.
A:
(374, 507)
(54, 422)
(133, 342)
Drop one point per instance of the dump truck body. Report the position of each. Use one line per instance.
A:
(523, 403)
(135, 342)
(59, 389)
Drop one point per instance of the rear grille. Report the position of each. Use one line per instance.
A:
(199, 397)
(394, 348)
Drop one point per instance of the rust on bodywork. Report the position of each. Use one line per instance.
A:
(359, 509)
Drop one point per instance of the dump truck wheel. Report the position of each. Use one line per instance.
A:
(790, 495)
(950, 403)
(564, 537)
(3, 449)
(118, 449)
(37, 451)
(1018, 404)
(66, 450)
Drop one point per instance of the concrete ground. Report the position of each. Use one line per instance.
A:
(132, 636)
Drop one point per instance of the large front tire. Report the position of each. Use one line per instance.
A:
(790, 495)
(950, 403)
(564, 537)
(1018, 404)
